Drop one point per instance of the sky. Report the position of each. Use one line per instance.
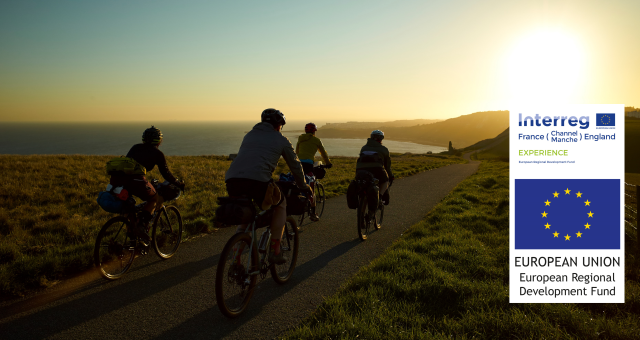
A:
(333, 61)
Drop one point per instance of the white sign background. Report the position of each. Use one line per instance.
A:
(603, 159)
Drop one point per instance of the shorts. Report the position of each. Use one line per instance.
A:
(136, 185)
(252, 188)
(379, 173)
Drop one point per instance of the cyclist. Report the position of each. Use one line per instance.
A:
(251, 171)
(374, 157)
(148, 155)
(306, 148)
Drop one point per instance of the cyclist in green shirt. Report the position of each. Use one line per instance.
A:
(306, 148)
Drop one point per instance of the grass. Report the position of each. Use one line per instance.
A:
(447, 277)
(49, 217)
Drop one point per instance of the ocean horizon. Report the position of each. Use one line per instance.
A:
(180, 138)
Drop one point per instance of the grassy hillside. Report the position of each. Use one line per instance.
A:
(448, 276)
(461, 131)
(49, 217)
(632, 145)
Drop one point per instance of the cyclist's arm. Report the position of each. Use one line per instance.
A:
(164, 169)
(323, 152)
(293, 162)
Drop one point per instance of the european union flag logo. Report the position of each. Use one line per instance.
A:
(605, 119)
(567, 214)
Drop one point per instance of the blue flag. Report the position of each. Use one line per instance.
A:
(567, 214)
(605, 119)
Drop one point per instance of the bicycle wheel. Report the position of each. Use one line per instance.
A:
(364, 222)
(234, 284)
(167, 232)
(301, 219)
(379, 215)
(114, 250)
(320, 199)
(281, 273)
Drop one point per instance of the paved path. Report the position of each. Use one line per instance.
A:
(175, 299)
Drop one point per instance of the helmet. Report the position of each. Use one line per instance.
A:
(310, 128)
(152, 135)
(274, 117)
(377, 135)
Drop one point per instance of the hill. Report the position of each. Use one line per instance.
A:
(378, 125)
(461, 131)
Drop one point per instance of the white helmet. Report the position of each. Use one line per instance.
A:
(377, 135)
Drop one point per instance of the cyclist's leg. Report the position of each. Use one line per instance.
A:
(383, 188)
(277, 224)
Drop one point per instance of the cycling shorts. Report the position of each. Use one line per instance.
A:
(136, 185)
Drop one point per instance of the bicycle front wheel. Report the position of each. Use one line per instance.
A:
(114, 249)
(167, 232)
(234, 282)
(364, 220)
(320, 199)
(281, 273)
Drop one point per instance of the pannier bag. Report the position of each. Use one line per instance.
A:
(352, 195)
(373, 193)
(111, 203)
(125, 166)
(319, 172)
(234, 211)
(296, 202)
(364, 181)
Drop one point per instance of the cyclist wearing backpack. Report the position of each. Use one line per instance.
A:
(306, 148)
(251, 171)
(374, 157)
(148, 155)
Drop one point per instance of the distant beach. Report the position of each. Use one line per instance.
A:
(181, 138)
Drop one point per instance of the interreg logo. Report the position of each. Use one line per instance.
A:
(567, 214)
(554, 121)
(605, 120)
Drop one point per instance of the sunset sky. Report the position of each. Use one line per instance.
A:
(338, 60)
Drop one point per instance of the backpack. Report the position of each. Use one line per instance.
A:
(125, 166)
(370, 157)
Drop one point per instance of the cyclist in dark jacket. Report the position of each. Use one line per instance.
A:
(148, 155)
(251, 171)
(374, 157)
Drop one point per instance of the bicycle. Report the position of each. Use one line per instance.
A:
(368, 221)
(318, 196)
(242, 260)
(116, 247)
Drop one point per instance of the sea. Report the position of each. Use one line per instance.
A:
(180, 139)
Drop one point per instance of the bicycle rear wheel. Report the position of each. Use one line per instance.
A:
(364, 221)
(234, 284)
(167, 232)
(320, 199)
(281, 273)
(114, 249)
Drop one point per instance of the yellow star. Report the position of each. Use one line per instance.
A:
(555, 194)
(586, 226)
(555, 234)
(579, 194)
(547, 203)
(579, 234)
(590, 214)
(566, 192)
(567, 238)
(544, 214)
(587, 203)
(546, 226)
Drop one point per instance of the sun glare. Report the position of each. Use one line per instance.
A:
(546, 67)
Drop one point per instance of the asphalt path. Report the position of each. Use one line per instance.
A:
(175, 298)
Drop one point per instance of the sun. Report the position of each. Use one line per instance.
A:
(545, 67)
